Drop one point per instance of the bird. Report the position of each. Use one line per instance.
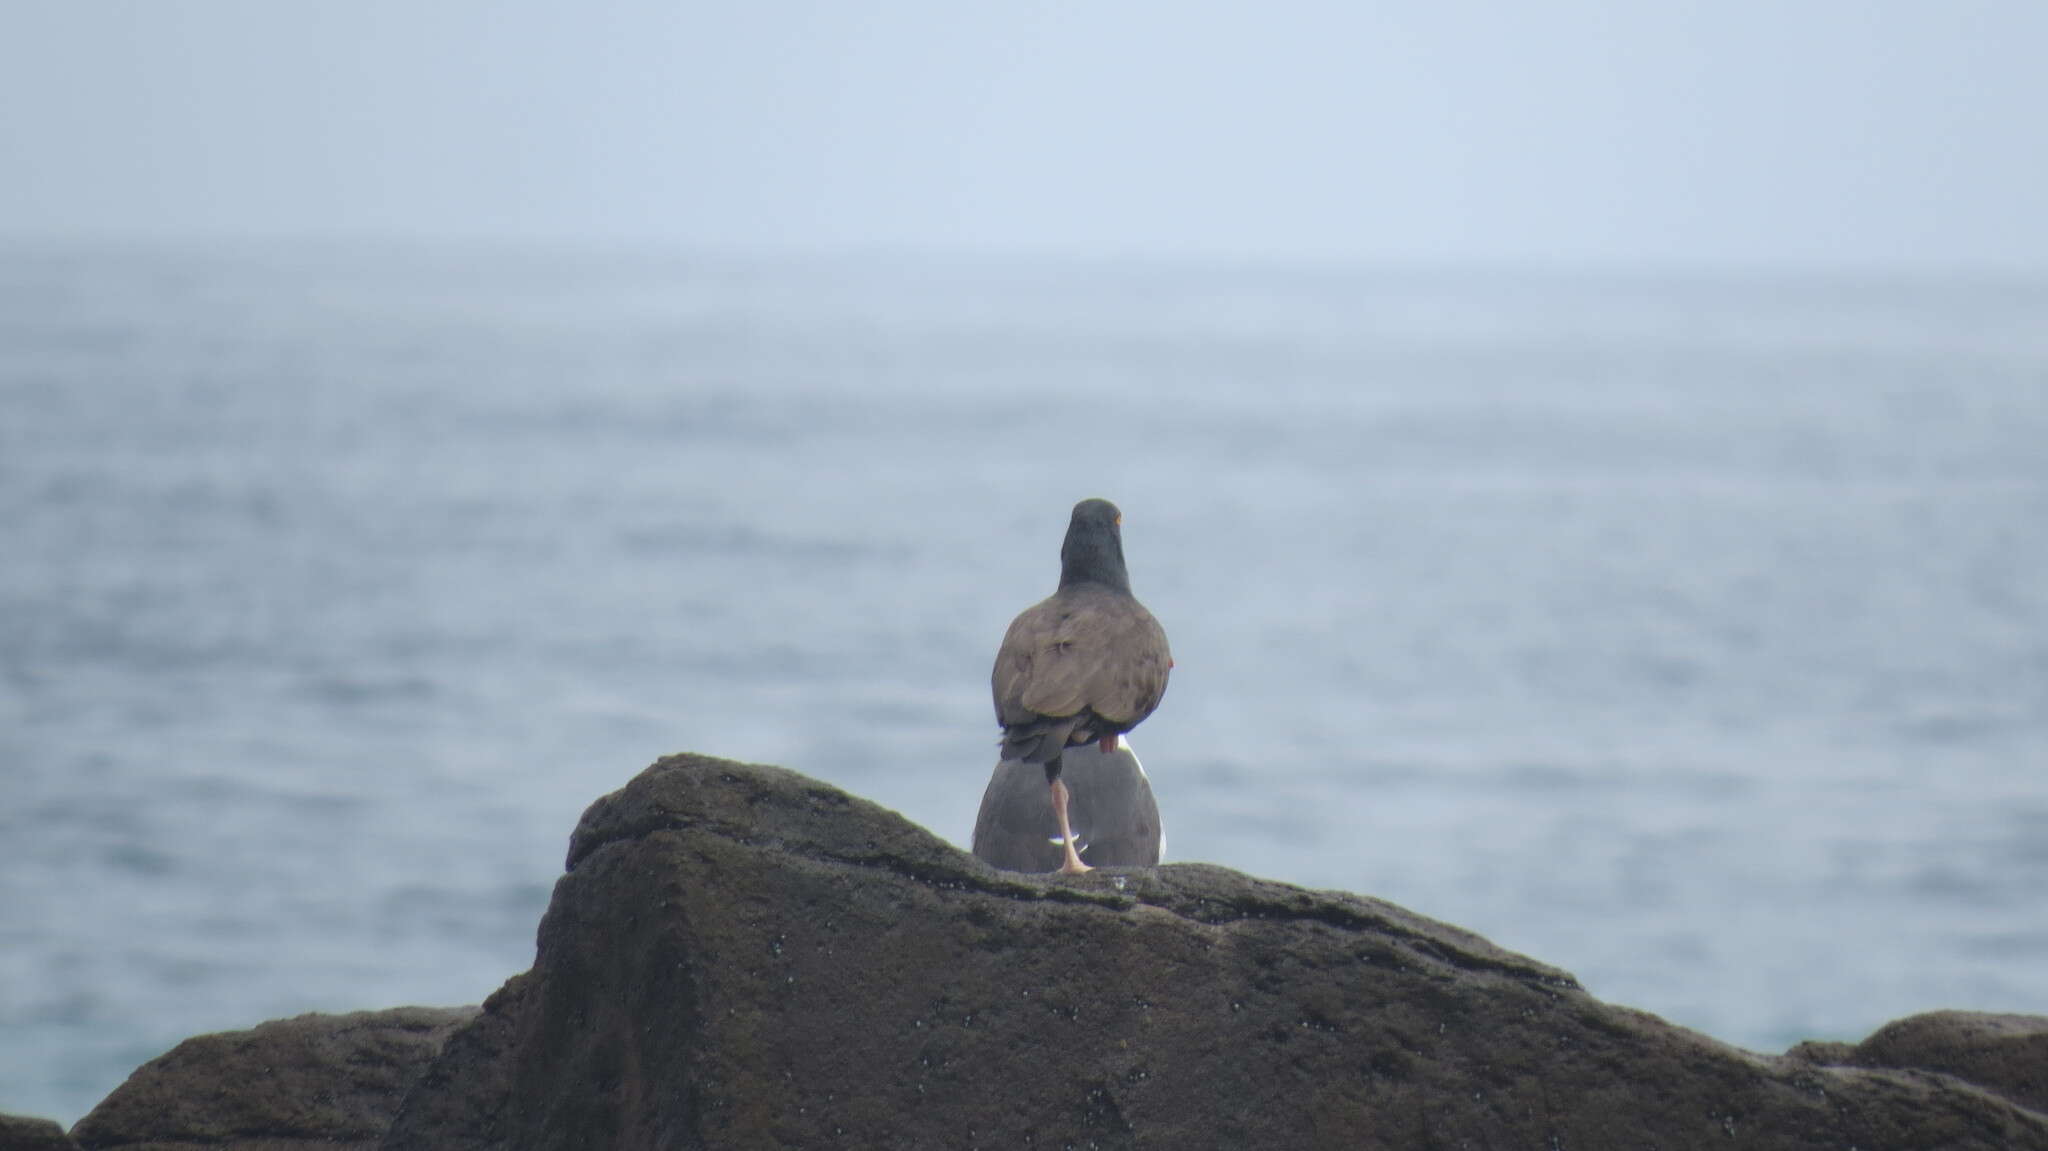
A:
(1114, 815)
(1084, 665)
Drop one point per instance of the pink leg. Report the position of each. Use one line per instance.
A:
(1073, 865)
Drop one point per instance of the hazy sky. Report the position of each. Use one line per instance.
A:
(1823, 133)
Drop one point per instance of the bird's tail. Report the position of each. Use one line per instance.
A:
(1039, 740)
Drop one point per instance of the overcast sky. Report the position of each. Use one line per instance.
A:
(1805, 133)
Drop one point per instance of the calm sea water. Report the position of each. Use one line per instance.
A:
(1689, 634)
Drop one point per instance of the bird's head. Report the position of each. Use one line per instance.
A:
(1097, 514)
(1094, 547)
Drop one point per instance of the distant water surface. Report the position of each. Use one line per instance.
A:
(1689, 634)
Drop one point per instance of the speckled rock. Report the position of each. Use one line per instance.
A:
(22, 1133)
(2007, 1054)
(331, 1081)
(743, 957)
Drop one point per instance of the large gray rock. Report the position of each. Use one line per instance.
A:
(331, 1081)
(2007, 1054)
(743, 957)
(23, 1133)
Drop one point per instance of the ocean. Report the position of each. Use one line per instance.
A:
(1687, 632)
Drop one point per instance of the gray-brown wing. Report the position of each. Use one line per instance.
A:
(1089, 647)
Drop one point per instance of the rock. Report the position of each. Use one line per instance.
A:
(2007, 1054)
(1821, 1052)
(328, 1080)
(1110, 807)
(469, 1088)
(743, 957)
(21, 1133)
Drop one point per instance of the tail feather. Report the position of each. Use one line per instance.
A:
(1039, 740)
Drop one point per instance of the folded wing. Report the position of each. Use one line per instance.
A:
(1086, 648)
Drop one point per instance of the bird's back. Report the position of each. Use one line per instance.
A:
(1087, 648)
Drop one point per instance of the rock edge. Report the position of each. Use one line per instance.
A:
(740, 956)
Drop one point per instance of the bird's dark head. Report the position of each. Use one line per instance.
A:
(1094, 548)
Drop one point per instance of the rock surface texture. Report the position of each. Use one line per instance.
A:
(328, 1081)
(21, 1133)
(742, 957)
(2007, 1054)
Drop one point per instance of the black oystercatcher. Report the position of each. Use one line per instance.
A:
(1082, 666)
(1109, 806)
